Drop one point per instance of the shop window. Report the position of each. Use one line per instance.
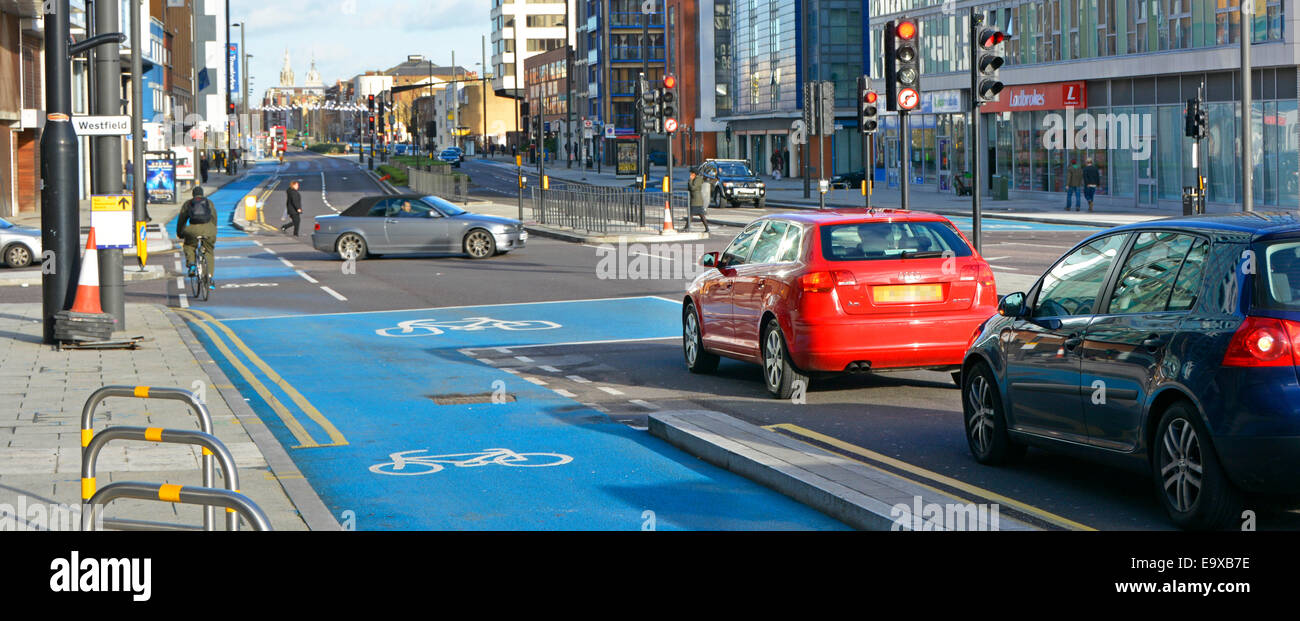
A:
(1227, 21)
(1024, 141)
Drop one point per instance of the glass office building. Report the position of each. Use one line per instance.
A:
(1105, 80)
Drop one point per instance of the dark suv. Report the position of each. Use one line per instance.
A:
(733, 181)
(1171, 346)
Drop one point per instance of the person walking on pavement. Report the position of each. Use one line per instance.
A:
(776, 164)
(697, 187)
(203, 168)
(293, 204)
(198, 218)
(1074, 186)
(1091, 179)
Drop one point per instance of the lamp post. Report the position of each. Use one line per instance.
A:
(230, 152)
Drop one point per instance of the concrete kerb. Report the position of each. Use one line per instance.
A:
(304, 498)
(844, 489)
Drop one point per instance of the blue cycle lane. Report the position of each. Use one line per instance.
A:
(351, 396)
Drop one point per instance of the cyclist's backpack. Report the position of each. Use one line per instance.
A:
(200, 211)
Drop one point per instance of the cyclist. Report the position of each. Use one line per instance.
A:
(198, 218)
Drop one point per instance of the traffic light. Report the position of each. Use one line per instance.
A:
(370, 103)
(986, 59)
(668, 105)
(648, 107)
(866, 106)
(372, 123)
(1197, 121)
(902, 65)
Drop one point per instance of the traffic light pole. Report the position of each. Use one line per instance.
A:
(974, 126)
(905, 134)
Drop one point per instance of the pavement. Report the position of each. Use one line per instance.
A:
(42, 392)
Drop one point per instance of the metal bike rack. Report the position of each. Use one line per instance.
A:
(232, 501)
(155, 434)
(148, 392)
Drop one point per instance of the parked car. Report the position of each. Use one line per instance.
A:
(1169, 346)
(412, 223)
(854, 291)
(19, 246)
(733, 181)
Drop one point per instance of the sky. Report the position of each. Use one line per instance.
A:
(349, 37)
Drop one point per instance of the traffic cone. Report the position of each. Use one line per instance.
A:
(668, 215)
(87, 300)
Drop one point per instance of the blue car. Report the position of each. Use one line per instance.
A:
(1169, 346)
(452, 156)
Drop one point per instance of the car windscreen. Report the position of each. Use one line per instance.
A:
(1280, 286)
(445, 207)
(733, 169)
(870, 241)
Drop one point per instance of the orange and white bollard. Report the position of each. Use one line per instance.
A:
(668, 210)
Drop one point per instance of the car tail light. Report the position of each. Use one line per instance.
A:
(317, 226)
(825, 281)
(1263, 342)
(978, 272)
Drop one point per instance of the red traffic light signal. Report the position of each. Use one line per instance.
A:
(991, 38)
(670, 81)
(906, 30)
(870, 97)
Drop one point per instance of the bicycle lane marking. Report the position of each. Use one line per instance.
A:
(377, 391)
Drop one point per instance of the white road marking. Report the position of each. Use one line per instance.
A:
(548, 368)
(269, 250)
(612, 391)
(486, 360)
(524, 359)
(579, 379)
(511, 371)
(308, 278)
(645, 404)
(535, 381)
(1002, 267)
(334, 293)
(287, 263)
(995, 258)
(503, 350)
(563, 393)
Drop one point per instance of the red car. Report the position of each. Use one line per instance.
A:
(852, 291)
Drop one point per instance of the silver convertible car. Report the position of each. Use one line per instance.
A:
(412, 223)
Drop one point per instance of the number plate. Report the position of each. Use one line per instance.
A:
(907, 294)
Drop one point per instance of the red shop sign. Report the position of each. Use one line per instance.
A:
(1052, 96)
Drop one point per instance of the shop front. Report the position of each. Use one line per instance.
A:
(938, 144)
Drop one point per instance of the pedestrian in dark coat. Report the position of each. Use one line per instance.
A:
(698, 188)
(203, 168)
(293, 204)
(1091, 179)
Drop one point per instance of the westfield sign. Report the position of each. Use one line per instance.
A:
(1053, 96)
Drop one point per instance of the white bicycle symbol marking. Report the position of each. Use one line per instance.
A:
(433, 327)
(406, 463)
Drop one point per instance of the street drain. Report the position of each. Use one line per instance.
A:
(468, 399)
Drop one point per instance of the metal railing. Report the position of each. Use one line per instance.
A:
(602, 209)
(211, 445)
(438, 182)
(147, 392)
(206, 496)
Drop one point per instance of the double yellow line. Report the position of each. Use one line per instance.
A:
(949, 482)
(207, 323)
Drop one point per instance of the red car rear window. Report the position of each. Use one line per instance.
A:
(869, 241)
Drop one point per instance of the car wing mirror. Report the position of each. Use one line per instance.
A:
(711, 259)
(1012, 305)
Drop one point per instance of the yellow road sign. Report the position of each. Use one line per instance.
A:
(112, 202)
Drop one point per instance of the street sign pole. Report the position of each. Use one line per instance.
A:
(974, 125)
(108, 154)
(1247, 81)
(137, 123)
(905, 133)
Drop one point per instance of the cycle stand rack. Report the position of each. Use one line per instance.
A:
(205, 426)
(235, 502)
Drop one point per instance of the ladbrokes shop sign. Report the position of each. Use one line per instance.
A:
(1051, 96)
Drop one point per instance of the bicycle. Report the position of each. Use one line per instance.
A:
(429, 464)
(199, 278)
(433, 327)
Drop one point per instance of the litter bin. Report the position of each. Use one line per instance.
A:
(1001, 188)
